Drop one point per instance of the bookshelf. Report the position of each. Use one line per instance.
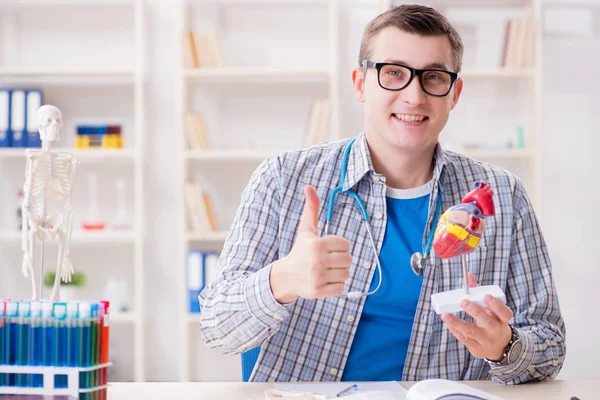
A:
(243, 86)
(95, 75)
(236, 91)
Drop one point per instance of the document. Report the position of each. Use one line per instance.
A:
(317, 391)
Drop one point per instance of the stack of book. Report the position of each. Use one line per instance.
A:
(199, 208)
(518, 43)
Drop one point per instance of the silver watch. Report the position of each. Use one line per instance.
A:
(512, 351)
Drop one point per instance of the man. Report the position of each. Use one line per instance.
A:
(302, 295)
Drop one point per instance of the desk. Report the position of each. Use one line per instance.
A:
(549, 390)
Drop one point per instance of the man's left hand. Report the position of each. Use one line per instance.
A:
(489, 335)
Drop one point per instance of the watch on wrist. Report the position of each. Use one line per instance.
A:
(512, 351)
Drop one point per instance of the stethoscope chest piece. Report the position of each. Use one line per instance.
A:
(417, 263)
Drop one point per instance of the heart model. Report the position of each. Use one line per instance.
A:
(461, 226)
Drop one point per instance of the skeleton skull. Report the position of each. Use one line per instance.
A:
(49, 121)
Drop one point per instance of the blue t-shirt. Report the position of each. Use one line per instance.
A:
(379, 348)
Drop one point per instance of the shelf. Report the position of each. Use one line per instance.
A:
(498, 73)
(257, 74)
(81, 154)
(79, 236)
(228, 155)
(218, 236)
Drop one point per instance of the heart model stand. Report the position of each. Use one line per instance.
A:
(458, 233)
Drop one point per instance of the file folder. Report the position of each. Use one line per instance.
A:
(34, 102)
(17, 117)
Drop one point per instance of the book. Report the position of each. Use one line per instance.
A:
(202, 51)
(518, 43)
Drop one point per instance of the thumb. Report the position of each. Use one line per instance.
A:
(472, 281)
(310, 215)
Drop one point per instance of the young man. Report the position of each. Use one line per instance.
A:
(301, 294)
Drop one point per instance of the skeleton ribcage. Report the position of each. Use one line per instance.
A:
(50, 180)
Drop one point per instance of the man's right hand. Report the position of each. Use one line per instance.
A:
(316, 266)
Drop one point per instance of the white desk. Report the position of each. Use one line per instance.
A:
(549, 390)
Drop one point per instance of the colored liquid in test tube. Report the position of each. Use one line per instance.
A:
(72, 335)
(37, 342)
(95, 344)
(3, 377)
(84, 325)
(104, 341)
(25, 337)
(59, 340)
(12, 317)
(47, 333)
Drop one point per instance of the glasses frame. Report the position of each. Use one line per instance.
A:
(413, 72)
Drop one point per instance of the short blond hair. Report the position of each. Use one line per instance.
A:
(417, 19)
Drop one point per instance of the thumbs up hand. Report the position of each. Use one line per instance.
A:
(316, 266)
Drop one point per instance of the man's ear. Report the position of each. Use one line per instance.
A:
(458, 85)
(358, 80)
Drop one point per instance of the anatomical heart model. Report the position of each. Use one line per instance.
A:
(459, 233)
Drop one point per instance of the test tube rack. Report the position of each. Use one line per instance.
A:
(54, 348)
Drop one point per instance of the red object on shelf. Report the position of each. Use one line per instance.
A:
(93, 226)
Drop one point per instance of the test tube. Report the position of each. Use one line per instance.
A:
(105, 340)
(59, 340)
(2, 340)
(37, 340)
(47, 329)
(12, 316)
(24, 337)
(85, 312)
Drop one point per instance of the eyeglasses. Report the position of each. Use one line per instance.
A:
(435, 82)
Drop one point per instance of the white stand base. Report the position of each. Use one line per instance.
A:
(449, 302)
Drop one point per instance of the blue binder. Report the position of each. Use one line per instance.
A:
(34, 102)
(18, 118)
(5, 111)
(195, 279)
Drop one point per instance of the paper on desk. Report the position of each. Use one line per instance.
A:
(389, 390)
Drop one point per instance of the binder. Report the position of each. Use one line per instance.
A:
(5, 135)
(34, 102)
(211, 264)
(195, 279)
(17, 117)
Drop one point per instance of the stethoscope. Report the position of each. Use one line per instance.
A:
(417, 259)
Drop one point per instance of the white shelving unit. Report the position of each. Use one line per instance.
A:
(344, 26)
(272, 77)
(83, 70)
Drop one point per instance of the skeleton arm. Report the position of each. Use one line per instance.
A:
(68, 271)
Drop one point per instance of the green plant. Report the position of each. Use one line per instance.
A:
(77, 279)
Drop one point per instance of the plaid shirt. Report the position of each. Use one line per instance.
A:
(309, 340)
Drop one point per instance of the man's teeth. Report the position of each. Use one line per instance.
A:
(410, 117)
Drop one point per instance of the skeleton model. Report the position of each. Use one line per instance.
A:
(49, 177)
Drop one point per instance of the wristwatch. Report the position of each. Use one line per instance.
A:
(512, 351)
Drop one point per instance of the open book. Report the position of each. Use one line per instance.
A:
(431, 389)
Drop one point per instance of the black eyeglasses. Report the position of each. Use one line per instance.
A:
(435, 82)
